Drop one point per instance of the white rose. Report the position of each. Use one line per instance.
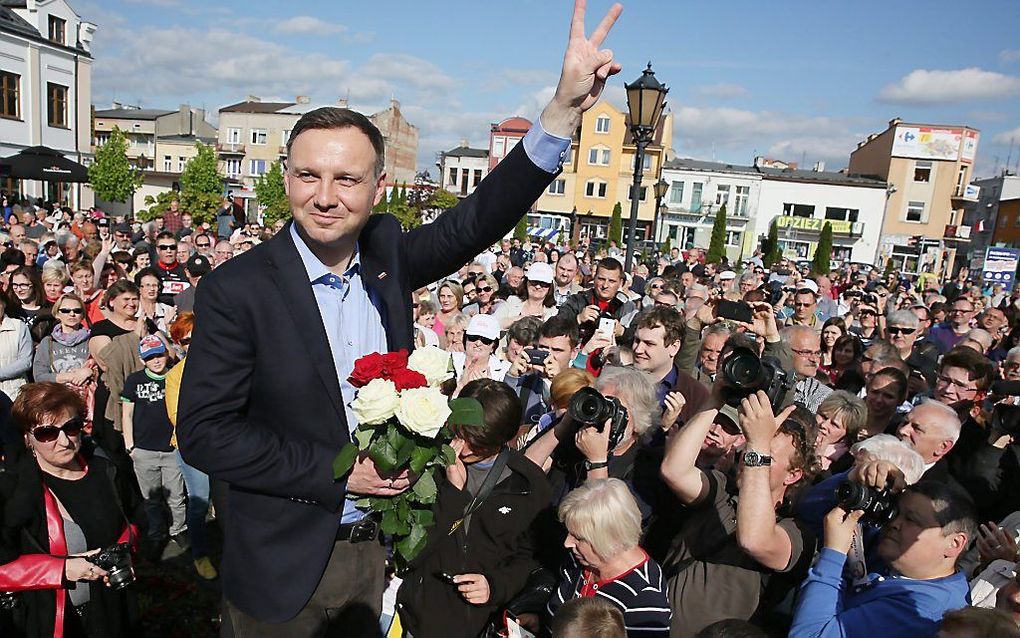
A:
(423, 411)
(432, 362)
(375, 402)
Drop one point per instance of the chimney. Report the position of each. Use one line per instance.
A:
(394, 104)
(893, 122)
(819, 167)
(758, 160)
(342, 102)
(303, 99)
(463, 143)
(253, 98)
(115, 104)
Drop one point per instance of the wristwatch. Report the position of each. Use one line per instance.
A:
(589, 466)
(756, 459)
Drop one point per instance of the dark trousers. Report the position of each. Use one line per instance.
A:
(347, 601)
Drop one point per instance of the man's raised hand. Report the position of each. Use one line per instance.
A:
(586, 68)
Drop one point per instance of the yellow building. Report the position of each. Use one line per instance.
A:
(599, 173)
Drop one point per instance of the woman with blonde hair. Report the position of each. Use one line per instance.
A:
(839, 418)
(54, 279)
(564, 386)
(450, 295)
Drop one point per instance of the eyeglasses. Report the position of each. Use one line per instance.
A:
(539, 284)
(960, 384)
(961, 310)
(71, 311)
(14, 285)
(807, 353)
(49, 433)
(893, 330)
(205, 245)
(474, 273)
(484, 340)
(872, 313)
(167, 247)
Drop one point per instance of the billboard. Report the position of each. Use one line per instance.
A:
(920, 142)
(1000, 266)
(970, 142)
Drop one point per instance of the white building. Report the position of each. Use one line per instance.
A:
(45, 89)
(463, 168)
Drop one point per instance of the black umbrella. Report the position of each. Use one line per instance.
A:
(43, 163)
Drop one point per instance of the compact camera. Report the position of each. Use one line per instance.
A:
(590, 408)
(879, 506)
(745, 373)
(116, 560)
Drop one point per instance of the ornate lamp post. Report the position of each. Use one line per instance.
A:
(661, 187)
(646, 98)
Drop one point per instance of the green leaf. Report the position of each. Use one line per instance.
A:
(390, 523)
(405, 450)
(420, 457)
(449, 455)
(425, 488)
(410, 546)
(466, 411)
(425, 518)
(364, 437)
(384, 455)
(344, 461)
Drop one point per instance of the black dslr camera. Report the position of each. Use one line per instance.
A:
(1005, 416)
(879, 506)
(590, 408)
(116, 560)
(745, 373)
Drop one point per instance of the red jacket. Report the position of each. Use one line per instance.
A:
(46, 571)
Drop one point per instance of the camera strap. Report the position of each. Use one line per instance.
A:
(491, 478)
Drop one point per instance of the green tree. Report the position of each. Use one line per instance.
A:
(402, 196)
(442, 199)
(771, 252)
(616, 224)
(823, 251)
(668, 246)
(521, 229)
(717, 245)
(890, 268)
(272, 195)
(111, 175)
(201, 174)
(201, 189)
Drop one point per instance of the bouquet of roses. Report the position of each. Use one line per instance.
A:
(402, 416)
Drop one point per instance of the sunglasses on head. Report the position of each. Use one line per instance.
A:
(484, 340)
(49, 433)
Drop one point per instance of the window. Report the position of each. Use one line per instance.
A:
(477, 177)
(696, 197)
(558, 187)
(922, 171)
(722, 194)
(453, 176)
(733, 238)
(841, 214)
(57, 100)
(285, 138)
(256, 167)
(58, 29)
(915, 211)
(167, 163)
(233, 167)
(10, 95)
(498, 146)
(233, 136)
(646, 163)
(740, 198)
(598, 156)
(799, 210)
(258, 136)
(643, 192)
(961, 182)
(1017, 222)
(602, 124)
(595, 188)
(568, 156)
(181, 161)
(676, 193)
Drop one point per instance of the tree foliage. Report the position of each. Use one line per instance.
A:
(201, 173)
(823, 251)
(272, 195)
(770, 249)
(111, 176)
(616, 224)
(201, 192)
(717, 245)
(521, 229)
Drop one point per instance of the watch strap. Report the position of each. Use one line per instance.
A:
(589, 466)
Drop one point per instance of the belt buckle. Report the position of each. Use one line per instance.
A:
(364, 530)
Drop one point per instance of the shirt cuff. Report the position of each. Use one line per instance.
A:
(545, 150)
(830, 562)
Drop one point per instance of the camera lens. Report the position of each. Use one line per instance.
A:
(587, 406)
(742, 369)
(853, 496)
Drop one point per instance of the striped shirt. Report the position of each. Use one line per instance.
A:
(639, 593)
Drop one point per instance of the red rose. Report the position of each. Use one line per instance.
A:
(393, 361)
(366, 368)
(406, 379)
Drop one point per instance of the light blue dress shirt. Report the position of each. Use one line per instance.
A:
(351, 312)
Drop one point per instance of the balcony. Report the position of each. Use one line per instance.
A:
(230, 149)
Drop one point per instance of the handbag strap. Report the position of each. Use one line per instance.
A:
(488, 484)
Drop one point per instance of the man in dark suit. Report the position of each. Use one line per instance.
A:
(264, 398)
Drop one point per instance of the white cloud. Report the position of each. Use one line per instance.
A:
(308, 25)
(1008, 137)
(930, 87)
(722, 91)
(1008, 56)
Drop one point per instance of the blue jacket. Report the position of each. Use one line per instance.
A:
(886, 607)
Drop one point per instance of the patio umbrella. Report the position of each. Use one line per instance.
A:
(43, 163)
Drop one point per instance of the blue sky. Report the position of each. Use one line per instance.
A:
(794, 80)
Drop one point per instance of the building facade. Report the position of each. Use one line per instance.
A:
(504, 136)
(46, 90)
(927, 169)
(993, 216)
(461, 169)
(401, 144)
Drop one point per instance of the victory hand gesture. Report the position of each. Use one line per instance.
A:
(585, 71)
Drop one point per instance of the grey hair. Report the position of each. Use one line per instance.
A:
(604, 513)
(903, 319)
(982, 336)
(1014, 353)
(886, 447)
(952, 425)
(789, 332)
(747, 276)
(637, 389)
(718, 329)
(698, 287)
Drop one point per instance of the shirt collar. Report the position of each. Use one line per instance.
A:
(314, 268)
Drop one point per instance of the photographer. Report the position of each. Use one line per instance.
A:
(63, 505)
(736, 530)
(603, 300)
(485, 516)
(532, 371)
(921, 546)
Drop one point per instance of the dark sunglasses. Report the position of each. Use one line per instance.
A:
(206, 245)
(71, 311)
(484, 289)
(539, 284)
(167, 247)
(475, 273)
(869, 312)
(484, 340)
(49, 433)
(905, 331)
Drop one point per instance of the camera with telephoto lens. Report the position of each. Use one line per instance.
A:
(745, 373)
(1006, 416)
(590, 408)
(879, 506)
(116, 560)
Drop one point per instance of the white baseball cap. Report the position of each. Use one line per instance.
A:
(808, 284)
(540, 271)
(727, 275)
(483, 326)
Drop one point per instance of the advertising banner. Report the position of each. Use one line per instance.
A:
(928, 143)
(1000, 266)
(970, 142)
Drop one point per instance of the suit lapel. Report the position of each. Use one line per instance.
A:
(291, 279)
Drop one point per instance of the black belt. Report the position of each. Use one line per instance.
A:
(367, 529)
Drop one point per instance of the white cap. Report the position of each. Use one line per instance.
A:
(540, 271)
(483, 326)
(727, 275)
(808, 284)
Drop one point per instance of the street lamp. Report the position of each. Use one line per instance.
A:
(661, 187)
(646, 98)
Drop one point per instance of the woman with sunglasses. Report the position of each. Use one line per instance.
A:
(149, 307)
(479, 360)
(62, 355)
(15, 351)
(486, 302)
(62, 504)
(534, 298)
(29, 302)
